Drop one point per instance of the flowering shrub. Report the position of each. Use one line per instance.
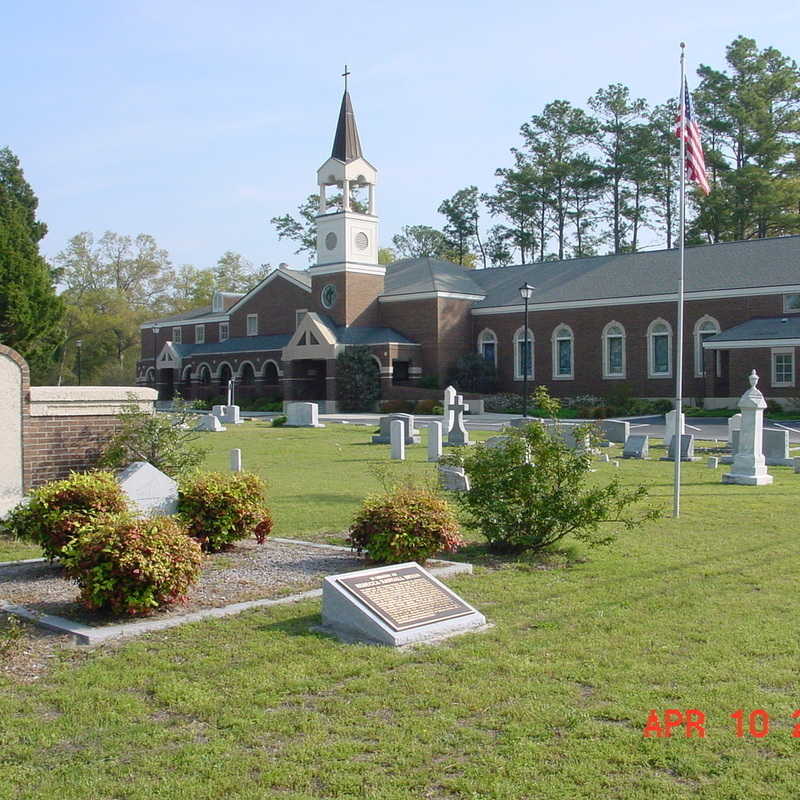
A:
(132, 566)
(405, 524)
(58, 510)
(424, 406)
(220, 508)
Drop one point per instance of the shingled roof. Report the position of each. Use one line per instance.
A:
(346, 144)
(417, 275)
(760, 329)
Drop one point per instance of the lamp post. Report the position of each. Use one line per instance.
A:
(155, 356)
(525, 292)
(79, 345)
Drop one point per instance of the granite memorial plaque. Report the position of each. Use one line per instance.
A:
(394, 605)
(636, 446)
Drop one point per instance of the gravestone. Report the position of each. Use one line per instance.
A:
(230, 415)
(459, 436)
(496, 442)
(671, 422)
(218, 411)
(604, 457)
(149, 491)
(396, 605)
(434, 441)
(776, 448)
(734, 440)
(10, 433)
(734, 424)
(236, 460)
(476, 406)
(566, 432)
(398, 440)
(713, 462)
(637, 446)
(453, 479)
(447, 414)
(385, 434)
(616, 430)
(302, 415)
(749, 466)
(797, 466)
(209, 422)
(687, 449)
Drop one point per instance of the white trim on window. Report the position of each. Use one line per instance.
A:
(224, 331)
(704, 327)
(791, 303)
(613, 331)
(252, 324)
(177, 336)
(199, 334)
(519, 338)
(659, 329)
(786, 356)
(487, 336)
(563, 333)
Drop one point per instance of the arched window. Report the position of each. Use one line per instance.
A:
(247, 375)
(487, 345)
(270, 373)
(704, 328)
(224, 374)
(523, 354)
(659, 349)
(563, 342)
(186, 375)
(205, 374)
(614, 350)
(150, 376)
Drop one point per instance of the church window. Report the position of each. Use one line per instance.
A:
(563, 340)
(613, 351)
(328, 295)
(659, 349)
(487, 346)
(252, 324)
(199, 334)
(705, 328)
(523, 354)
(783, 366)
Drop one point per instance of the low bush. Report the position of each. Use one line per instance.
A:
(473, 373)
(279, 422)
(428, 382)
(405, 524)
(425, 407)
(397, 406)
(132, 566)
(57, 511)
(533, 491)
(219, 508)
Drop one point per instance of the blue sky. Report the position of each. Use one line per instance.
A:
(197, 122)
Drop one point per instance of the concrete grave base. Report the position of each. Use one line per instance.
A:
(747, 480)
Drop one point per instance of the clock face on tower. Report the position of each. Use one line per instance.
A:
(330, 240)
(328, 295)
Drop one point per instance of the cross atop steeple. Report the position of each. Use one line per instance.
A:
(344, 75)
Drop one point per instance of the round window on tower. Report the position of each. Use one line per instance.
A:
(330, 240)
(328, 295)
(362, 242)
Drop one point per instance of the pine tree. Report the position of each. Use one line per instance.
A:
(30, 311)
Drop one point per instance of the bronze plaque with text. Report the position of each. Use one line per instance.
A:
(405, 597)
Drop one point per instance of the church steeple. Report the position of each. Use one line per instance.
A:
(346, 144)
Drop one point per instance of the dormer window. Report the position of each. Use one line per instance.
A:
(216, 302)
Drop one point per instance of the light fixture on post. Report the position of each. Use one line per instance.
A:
(525, 292)
(79, 345)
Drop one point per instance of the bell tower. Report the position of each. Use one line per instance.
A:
(347, 279)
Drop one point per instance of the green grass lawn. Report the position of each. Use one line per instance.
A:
(549, 703)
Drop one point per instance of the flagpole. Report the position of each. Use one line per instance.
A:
(676, 504)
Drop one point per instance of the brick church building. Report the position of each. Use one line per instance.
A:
(593, 323)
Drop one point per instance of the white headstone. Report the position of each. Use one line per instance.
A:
(149, 490)
(797, 466)
(476, 405)
(302, 415)
(449, 400)
(713, 462)
(616, 430)
(458, 436)
(398, 436)
(384, 436)
(396, 605)
(453, 479)
(236, 460)
(749, 466)
(434, 441)
(218, 411)
(776, 448)
(734, 424)
(495, 442)
(10, 434)
(670, 424)
(604, 457)
(230, 415)
(209, 422)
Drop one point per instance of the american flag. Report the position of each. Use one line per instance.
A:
(687, 128)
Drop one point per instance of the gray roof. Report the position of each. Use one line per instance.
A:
(301, 275)
(414, 275)
(346, 145)
(732, 265)
(767, 328)
(239, 344)
(205, 311)
(363, 336)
